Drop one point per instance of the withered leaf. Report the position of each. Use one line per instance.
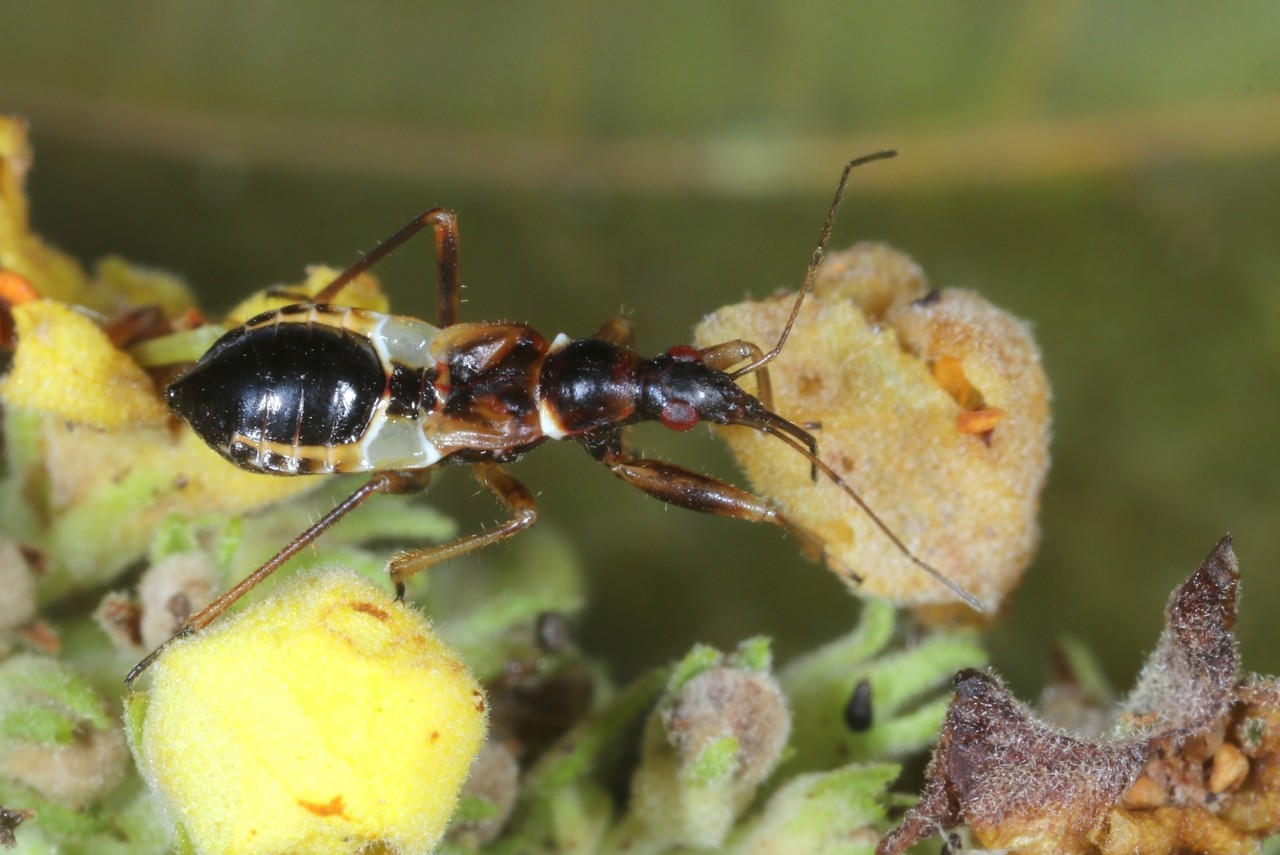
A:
(1013, 780)
(1190, 677)
(1191, 767)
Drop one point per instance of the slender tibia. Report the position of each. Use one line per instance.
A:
(514, 495)
(382, 482)
(448, 275)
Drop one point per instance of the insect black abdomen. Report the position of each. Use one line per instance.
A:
(299, 384)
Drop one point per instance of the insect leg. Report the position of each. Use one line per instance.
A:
(685, 488)
(729, 353)
(382, 482)
(514, 495)
(619, 330)
(448, 276)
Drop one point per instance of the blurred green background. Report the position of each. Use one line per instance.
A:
(1107, 171)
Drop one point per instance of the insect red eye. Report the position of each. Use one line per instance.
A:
(685, 353)
(678, 415)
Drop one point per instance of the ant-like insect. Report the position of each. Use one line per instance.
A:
(320, 388)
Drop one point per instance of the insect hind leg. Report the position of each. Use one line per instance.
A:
(448, 273)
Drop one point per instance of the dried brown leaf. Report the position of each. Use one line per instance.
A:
(1192, 766)
(1017, 783)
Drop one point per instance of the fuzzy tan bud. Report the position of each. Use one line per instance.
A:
(933, 405)
(55, 734)
(719, 732)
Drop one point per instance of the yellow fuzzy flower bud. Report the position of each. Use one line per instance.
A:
(325, 719)
(106, 389)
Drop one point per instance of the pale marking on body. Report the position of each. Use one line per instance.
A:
(396, 442)
(548, 422)
(402, 340)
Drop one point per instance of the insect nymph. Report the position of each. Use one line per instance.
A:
(321, 388)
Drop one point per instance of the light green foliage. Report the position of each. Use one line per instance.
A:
(910, 687)
(825, 813)
(44, 701)
(755, 654)
(700, 659)
(715, 762)
(474, 809)
(184, 346)
(489, 614)
(715, 734)
(128, 822)
(563, 806)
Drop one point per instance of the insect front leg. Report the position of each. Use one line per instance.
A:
(382, 482)
(514, 495)
(724, 356)
(448, 274)
(685, 488)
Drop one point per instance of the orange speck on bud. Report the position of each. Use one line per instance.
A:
(16, 289)
(979, 421)
(1145, 794)
(976, 417)
(949, 373)
(333, 807)
(190, 319)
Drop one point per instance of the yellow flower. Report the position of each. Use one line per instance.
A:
(87, 426)
(363, 292)
(327, 718)
(67, 367)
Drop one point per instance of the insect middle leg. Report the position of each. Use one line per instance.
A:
(685, 488)
(514, 495)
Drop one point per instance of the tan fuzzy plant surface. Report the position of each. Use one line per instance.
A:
(932, 404)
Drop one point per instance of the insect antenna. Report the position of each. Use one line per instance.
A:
(801, 441)
(804, 442)
(812, 273)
